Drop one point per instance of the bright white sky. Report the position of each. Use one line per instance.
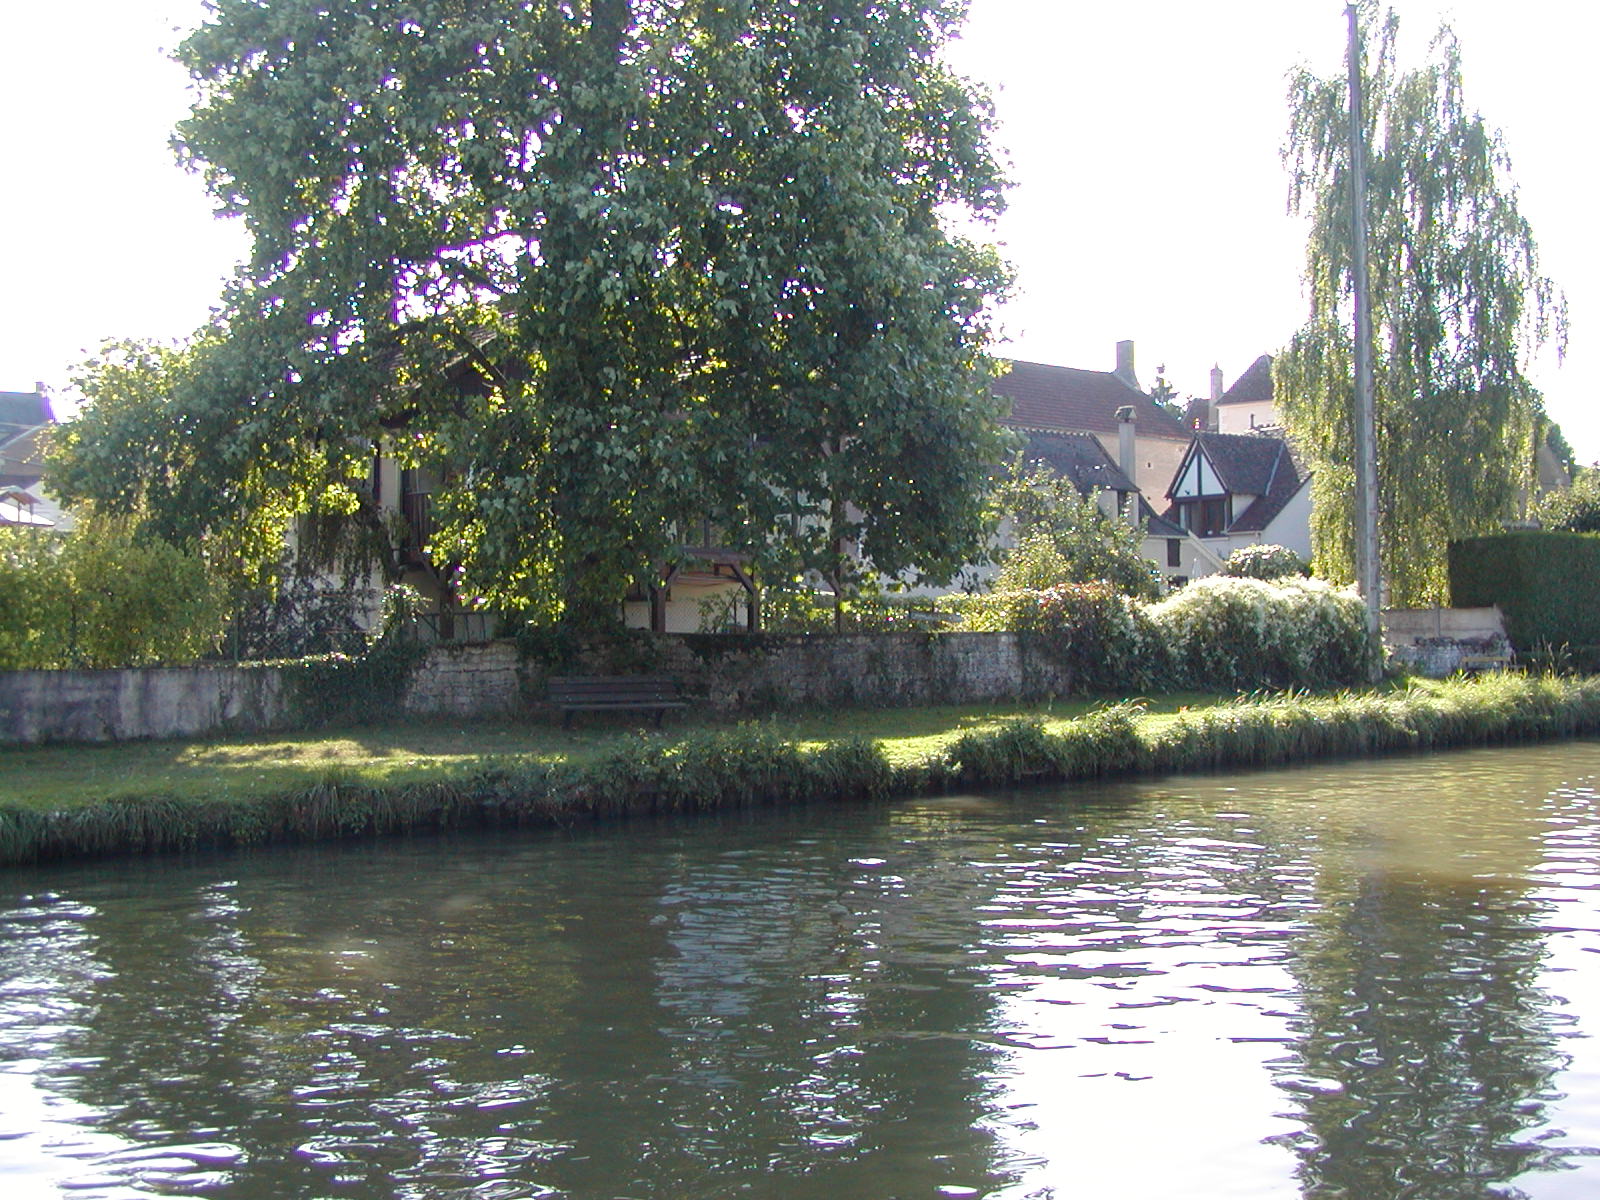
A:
(1144, 138)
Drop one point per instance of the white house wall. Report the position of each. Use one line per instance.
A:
(1199, 479)
(1247, 416)
(1156, 461)
(1292, 526)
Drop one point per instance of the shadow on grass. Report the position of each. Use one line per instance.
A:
(244, 766)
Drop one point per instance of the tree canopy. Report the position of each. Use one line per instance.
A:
(1064, 537)
(102, 597)
(1458, 306)
(608, 267)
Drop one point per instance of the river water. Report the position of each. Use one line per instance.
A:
(1364, 980)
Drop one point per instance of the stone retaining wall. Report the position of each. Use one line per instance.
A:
(144, 702)
(1433, 642)
(724, 673)
(467, 681)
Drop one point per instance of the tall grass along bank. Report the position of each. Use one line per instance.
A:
(757, 765)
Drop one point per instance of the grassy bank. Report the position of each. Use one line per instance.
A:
(93, 800)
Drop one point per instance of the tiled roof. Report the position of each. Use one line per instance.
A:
(20, 411)
(1066, 398)
(1080, 458)
(1254, 386)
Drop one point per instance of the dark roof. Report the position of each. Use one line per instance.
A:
(1066, 398)
(1254, 386)
(1250, 464)
(1080, 458)
(1155, 525)
(21, 411)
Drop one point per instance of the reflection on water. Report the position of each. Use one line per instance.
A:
(1367, 980)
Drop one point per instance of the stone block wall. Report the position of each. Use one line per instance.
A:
(728, 674)
(1433, 642)
(734, 674)
(147, 702)
(466, 681)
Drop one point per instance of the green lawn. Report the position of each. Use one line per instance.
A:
(50, 777)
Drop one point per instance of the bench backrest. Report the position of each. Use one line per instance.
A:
(576, 689)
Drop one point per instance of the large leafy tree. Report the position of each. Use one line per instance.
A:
(1458, 306)
(1064, 537)
(606, 266)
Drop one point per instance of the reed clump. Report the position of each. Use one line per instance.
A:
(757, 764)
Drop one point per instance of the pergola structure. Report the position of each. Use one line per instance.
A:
(707, 566)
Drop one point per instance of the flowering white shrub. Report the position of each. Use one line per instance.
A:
(1219, 632)
(1250, 633)
(1264, 561)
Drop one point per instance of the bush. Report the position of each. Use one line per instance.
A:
(1104, 636)
(1063, 537)
(99, 598)
(1216, 633)
(806, 610)
(1264, 562)
(1250, 633)
(1574, 509)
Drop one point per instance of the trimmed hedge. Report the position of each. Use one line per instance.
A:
(754, 765)
(1544, 582)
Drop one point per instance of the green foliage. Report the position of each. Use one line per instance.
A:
(1458, 306)
(1101, 743)
(756, 764)
(603, 266)
(806, 610)
(1557, 442)
(100, 597)
(1034, 562)
(303, 616)
(399, 608)
(1062, 537)
(1215, 633)
(355, 689)
(1542, 581)
(1249, 633)
(1104, 636)
(1264, 562)
(748, 765)
(1574, 509)
(171, 439)
(1165, 395)
(1261, 730)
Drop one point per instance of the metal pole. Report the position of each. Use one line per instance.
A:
(1368, 568)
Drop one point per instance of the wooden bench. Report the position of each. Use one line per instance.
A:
(1471, 664)
(615, 693)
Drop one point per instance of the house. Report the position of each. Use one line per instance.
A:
(18, 507)
(25, 419)
(1237, 489)
(1071, 400)
(1081, 459)
(1232, 484)
(1248, 405)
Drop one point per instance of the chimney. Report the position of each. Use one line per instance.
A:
(1216, 395)
(1127, 452)
(1124, 369)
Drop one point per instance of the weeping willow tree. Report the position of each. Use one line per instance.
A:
(1458, 307)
